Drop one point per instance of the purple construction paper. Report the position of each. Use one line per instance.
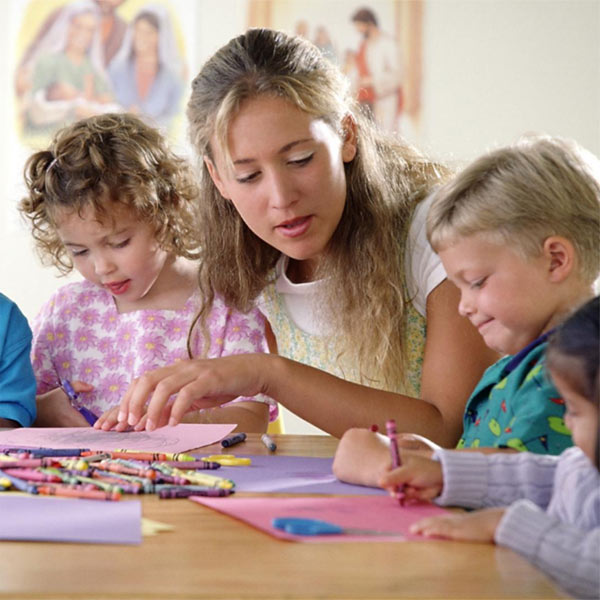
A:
(34, 518)
(291, 474)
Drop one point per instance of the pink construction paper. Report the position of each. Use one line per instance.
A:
(179, 438)
(34, 518)
(382, 514)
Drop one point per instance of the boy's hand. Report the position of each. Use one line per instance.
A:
(417, 444)
(362, 457)
(478, 526)
(54, 408)
(421, 477)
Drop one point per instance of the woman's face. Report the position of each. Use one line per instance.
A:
(81, 32)
(288, 181)
(145, 38)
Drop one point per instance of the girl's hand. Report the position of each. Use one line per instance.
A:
(362, 457)
(54, 408)
(478, 526)
(197, 383)
(421, 477)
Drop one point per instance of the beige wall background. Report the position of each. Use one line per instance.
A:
(492, 71)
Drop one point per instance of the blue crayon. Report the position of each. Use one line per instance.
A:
(41, 452)
(232, 440)
(20, 484)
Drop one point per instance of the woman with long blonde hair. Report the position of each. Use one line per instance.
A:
(311, 212)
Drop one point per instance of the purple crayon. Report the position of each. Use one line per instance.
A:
(187, 492)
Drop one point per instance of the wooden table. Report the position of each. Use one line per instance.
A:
(210, 555)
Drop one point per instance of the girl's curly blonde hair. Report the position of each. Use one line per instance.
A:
(364, 265)
(107, 159)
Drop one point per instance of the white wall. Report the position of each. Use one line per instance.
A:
(494, 69)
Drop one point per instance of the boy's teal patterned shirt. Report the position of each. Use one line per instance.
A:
(517, 406)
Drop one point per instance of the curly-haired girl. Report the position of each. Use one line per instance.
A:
(109, 199)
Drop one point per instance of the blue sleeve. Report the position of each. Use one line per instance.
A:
(17, 382)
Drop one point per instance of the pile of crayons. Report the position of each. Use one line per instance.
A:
(100, 475)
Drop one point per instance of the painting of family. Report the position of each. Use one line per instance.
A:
(86, 59)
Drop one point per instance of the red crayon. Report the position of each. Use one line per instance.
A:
(391, 431)
(71, 492)
(117, 468)
(33, 475)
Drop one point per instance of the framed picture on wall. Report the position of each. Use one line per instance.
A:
(377, 44)
(77, 58)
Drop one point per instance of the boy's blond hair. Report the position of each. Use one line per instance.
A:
(522, 194)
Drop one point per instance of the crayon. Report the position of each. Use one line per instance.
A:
(65, 475)
(46, 452)
(19, 484)
(74, 464)
(196, 464)
(60, 490)
(267, 440)
(33, 475)
(171, 479)
(62, 452)
(25, 463)
(187, 492)
(114, 467)
(150, 456)
(98, 483)
(127, 487)
(391, 431)
(204, 479)
(232, 440)
(94, 456)
(146, 484)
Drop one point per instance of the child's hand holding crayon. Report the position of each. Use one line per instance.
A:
(421, 477)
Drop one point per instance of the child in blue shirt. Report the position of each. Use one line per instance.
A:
(17, 383)
(518, 233)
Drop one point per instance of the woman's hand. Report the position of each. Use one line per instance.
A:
(195, 383)
(109, 420)
(477, 526)
(54, 408)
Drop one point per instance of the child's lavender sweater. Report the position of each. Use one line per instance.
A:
(553, 514)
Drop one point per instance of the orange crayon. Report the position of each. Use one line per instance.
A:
(71, 492)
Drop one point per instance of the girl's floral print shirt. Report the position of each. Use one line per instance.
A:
(79, 335)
